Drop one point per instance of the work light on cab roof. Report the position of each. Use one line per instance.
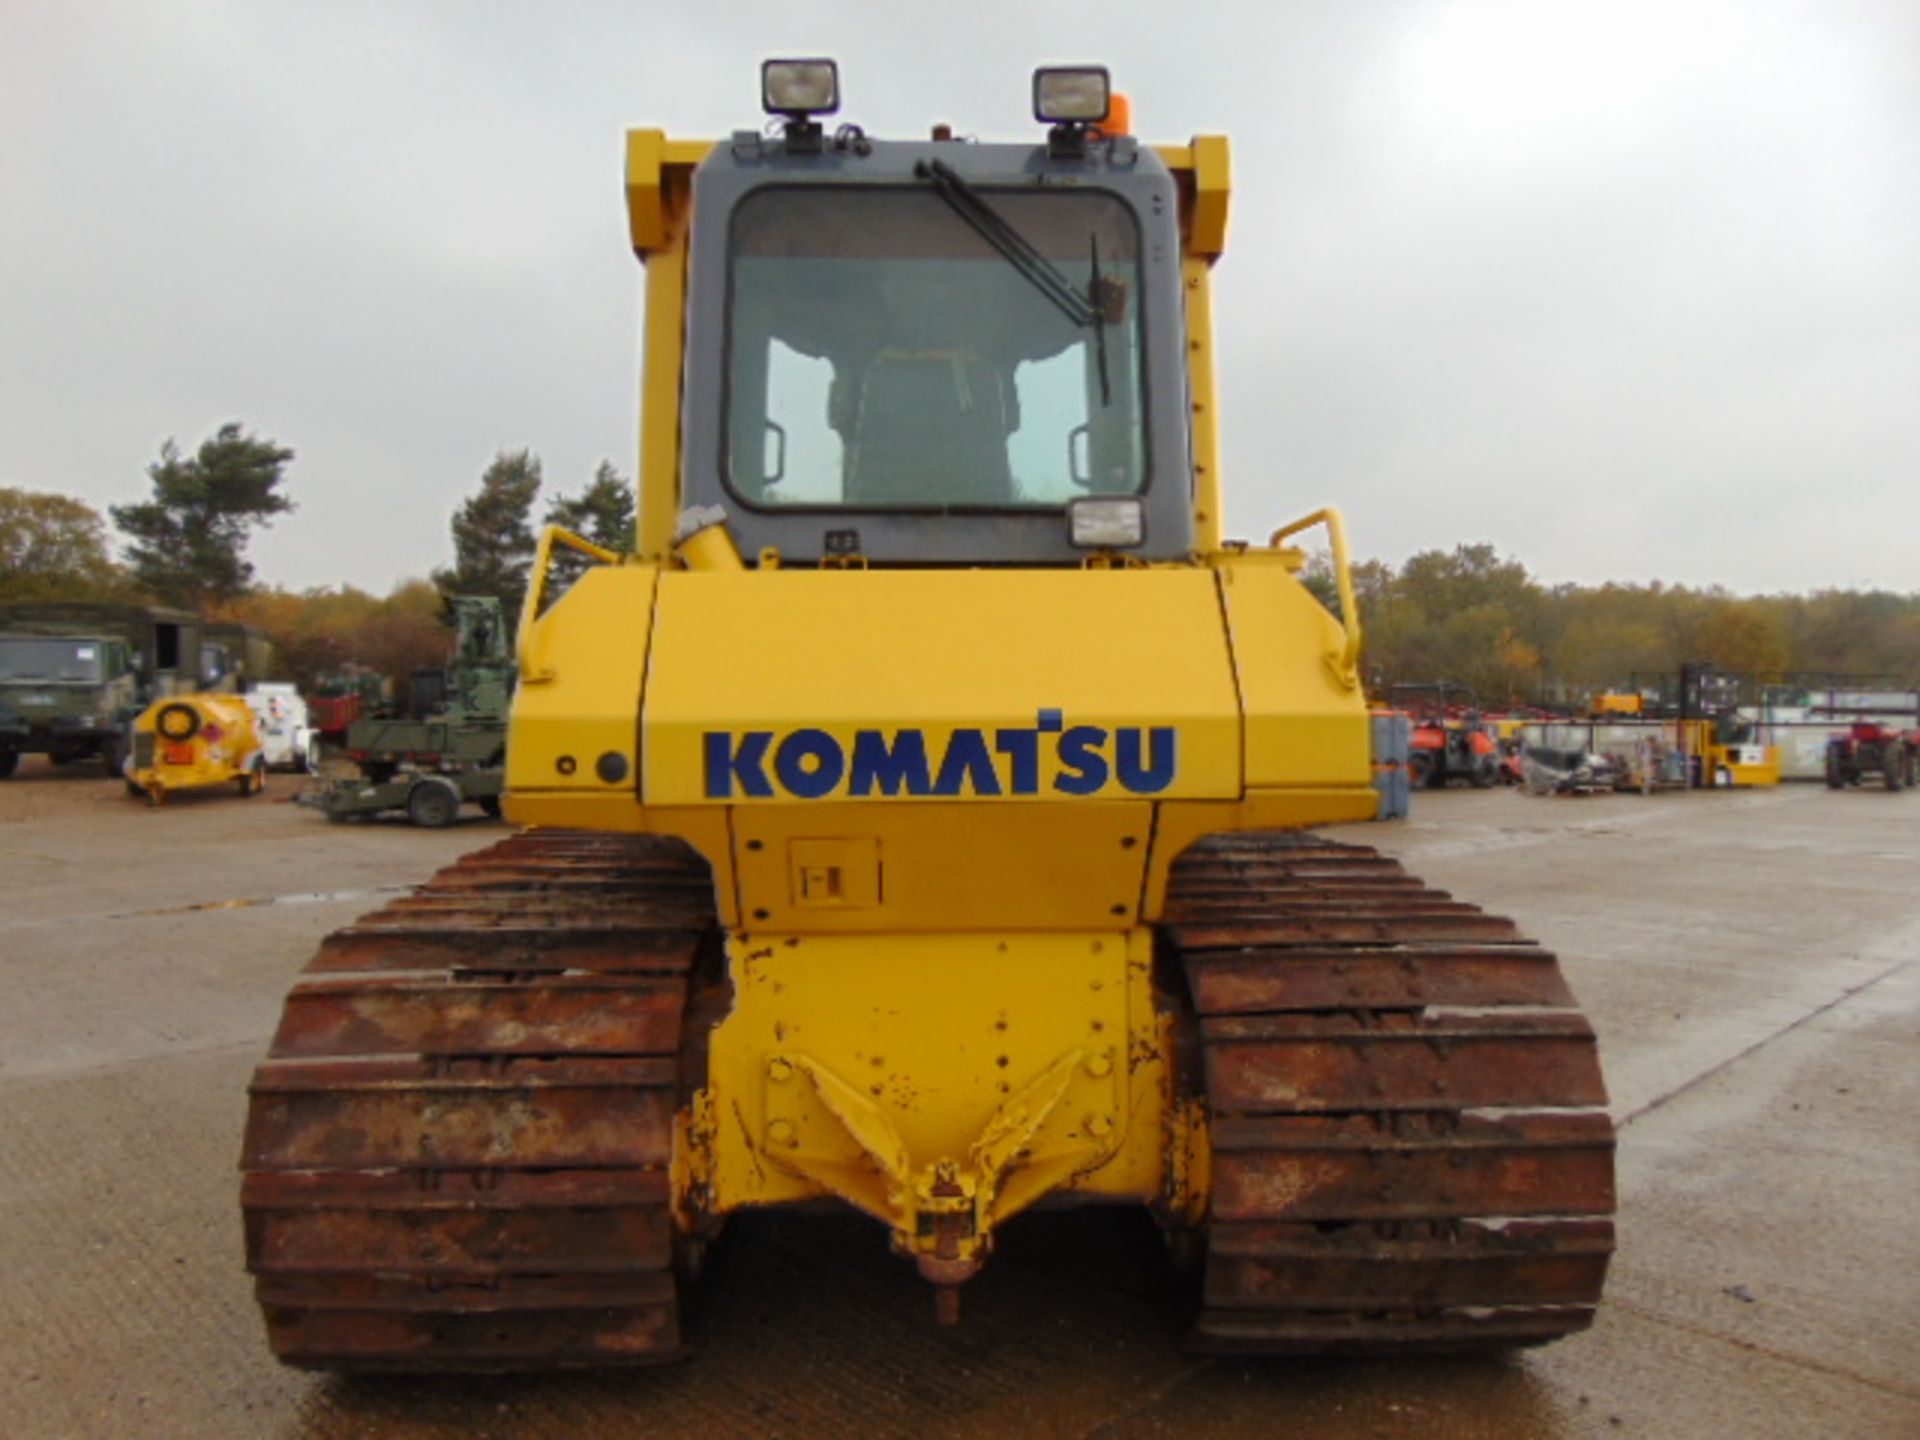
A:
(797, 91)
(1072, 99)
(800, 88)
(1071, 94)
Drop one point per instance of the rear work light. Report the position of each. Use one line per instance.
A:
(800, 88)
(1071, 94)
(1107, 523)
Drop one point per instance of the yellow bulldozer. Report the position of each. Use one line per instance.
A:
(918, 819)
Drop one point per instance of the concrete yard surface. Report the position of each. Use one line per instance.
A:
(1748, 959)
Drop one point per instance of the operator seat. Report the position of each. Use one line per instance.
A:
(931, 430)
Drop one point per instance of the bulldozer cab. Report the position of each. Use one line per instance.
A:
(929, 352)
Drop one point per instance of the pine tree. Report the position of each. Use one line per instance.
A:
(602, 513)
(493, 533)
(187, 545)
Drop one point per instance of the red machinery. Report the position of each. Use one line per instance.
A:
(1450, 741)
(1868, 749)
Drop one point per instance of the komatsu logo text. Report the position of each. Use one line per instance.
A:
(811, 764)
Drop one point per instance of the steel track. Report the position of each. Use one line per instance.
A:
(1410, 1144)
(456, 1152)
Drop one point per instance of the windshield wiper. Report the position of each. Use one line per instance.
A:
(1097, 293)
(992, 227)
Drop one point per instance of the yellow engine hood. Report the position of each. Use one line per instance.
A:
(779, 686)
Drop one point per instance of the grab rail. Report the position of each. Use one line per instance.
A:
(1345, 662)
(537, 591)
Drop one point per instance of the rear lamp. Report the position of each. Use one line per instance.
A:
(1071, 94)
(799, 88)
(1108, 523)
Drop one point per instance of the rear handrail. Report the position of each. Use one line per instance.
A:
(1344, 662)
(537, 590)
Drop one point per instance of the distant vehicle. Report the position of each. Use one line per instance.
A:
(67, 697)
(233, 658)
(1450, 741)
(280, 717)
(1615, 702)
(1867, 748)
(337, 701)
(73, 674)
(190, 742)
(428, 767)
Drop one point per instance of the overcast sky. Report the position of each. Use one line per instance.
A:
(1631, 290)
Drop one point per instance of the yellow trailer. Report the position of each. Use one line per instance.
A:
(191, 742)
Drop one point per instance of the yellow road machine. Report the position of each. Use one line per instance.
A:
(193, 742)
(919, 820)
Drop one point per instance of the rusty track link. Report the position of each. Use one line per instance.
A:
(456, 1151)
(1410, 1144)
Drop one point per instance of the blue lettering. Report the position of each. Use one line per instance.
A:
(747, 764)
(1158, 773)
(967, 759)
(1023, 748)
(1083, 769)
(810, 763)
(891, 769)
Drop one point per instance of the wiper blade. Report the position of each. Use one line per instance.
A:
(1097, 293)
(992, 226)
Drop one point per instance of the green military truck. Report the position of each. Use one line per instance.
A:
(430, 765)
(74, 675)
(233, 657)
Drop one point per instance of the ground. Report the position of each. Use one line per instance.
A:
(1747, 958)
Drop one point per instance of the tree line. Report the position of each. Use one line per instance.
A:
(1468, 615)
(1471, 616)
(186, 544)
